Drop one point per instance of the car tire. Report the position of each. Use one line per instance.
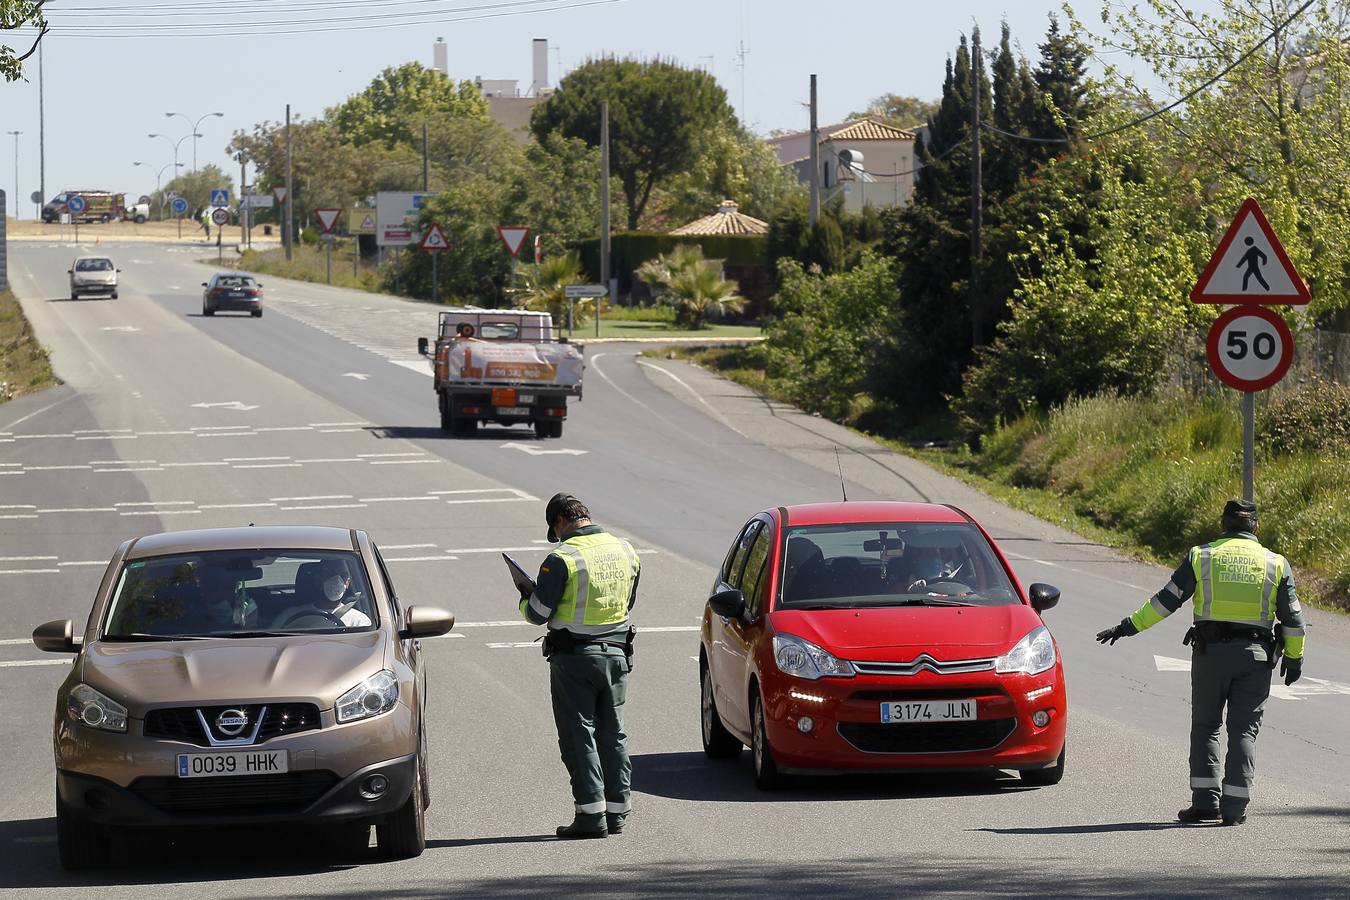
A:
(447, 419)
(543, 429)
(80, 844)
(718, 743)
(207, 311)
(257, 313)
(556, 430)
(465, 428)
(1046, 777)
(114, 295)
(402, 835)
(74, 296)
(140, 220)
(424, 769)
(767, 776)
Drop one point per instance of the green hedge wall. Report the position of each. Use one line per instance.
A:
(632, 248)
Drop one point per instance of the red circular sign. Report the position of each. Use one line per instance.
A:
(1250, 348)
(220, 215)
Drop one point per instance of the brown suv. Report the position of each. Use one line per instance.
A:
(243, 676)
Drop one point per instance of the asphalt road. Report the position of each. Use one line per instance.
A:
(322, 413)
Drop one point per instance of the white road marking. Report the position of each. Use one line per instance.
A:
(85, 562)
(226, 433)
(666, 628)
(359, 376)
(401, 462)
(234, 459)
(1169, 664)
(19, 506)
(107, 437)
(420, 366)
(315, 497)
(100, 431)
(1044, 562)
(1304, 687)
(324, 506)
(505, 623)
(126, 328)
(162, 512)
(38, 412)
(394, 559)
(229, 404)
(19, 516)
(142, 469)
(186, 464)
(331, 459)
(339, 430)
(487, 500)
(79, 509)
(29, 571)
(234, 505)
(696, 395)
(35, 662)
(158, 503)
(334, 424)
(405, 546)
(23, 558)
(286, 428)
(289, 465)
(33, 436)
(16, 641)
(217, 427)
(514, 644)
(537, 451)
(161, 433)
(394, 499)
(379, 455)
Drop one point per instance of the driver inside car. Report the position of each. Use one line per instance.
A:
(322, 589)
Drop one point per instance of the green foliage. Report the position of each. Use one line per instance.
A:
(660, 116)
(732, 164)
(791, 237)
(396, 103)
(308, 263)
(902, 112)
(25, 366)
(543, 288)
(195, 188)
(629, 250)
(1312, 419)
(693, 284)
(19, 14)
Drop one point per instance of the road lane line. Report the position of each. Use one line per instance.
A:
(158, 503)
(696, 395)
(504, 623)
(14, 642)
(142, 469)
(79, 509)
(123, 462)
(85, 562)
(54, 468)
(35, 662)
(333, 459)
(1045, 562)
(161, 433)
(234, 505)
(185, 464)
(650, 629)
(30, 571)
(395, 499)
(38, 412)
(100, 431)
(401, 462)
(21, 437)
(315, 497)
(394, 559)
(24, 558)
(210, 434)
(471, 491)
(286, 428)
(289, 465)
(106, 437)
(197, 428)
(325, 506)
(162, 512)
(335, 424)
(19, 506)
(234, 459)
(514, 645)
(403, 546)
(19, 516)
(488, 500)
(378, 455)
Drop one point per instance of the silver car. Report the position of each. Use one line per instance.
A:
(93, 276)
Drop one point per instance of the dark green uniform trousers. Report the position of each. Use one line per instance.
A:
(589, 686)
(1234, 674)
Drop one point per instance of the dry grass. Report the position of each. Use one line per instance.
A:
(24, 365)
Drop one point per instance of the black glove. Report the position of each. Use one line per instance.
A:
(1291, 669)
(1116, 632)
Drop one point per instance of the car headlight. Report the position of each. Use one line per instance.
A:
(798, 656)
(88, 707)
(1033, 654)
(377, 694)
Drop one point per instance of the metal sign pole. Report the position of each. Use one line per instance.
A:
(328, 259)
(571, 305)
(220, 253)
(435, 280)
(1249, 446)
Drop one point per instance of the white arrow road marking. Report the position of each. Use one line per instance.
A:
(1304, 687)
(359, 376)
(536, 451)
(231, 404)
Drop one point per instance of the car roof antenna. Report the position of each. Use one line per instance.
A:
(840, 466)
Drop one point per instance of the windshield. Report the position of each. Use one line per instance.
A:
(234, 281)
(900, 564)
(499, 331)
(94, 265)
(237, 593)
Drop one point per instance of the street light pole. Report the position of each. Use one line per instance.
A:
(16, 173)
(158, 176)
(196, 127)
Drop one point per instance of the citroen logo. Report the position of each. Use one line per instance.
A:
(231, 722)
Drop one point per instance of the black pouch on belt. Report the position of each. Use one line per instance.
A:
(558, 640)
(1275, 645)
(1196, 638)
(628, 646)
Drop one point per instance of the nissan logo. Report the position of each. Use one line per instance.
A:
(231, 722)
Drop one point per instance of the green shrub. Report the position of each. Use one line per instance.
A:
(1314, 418)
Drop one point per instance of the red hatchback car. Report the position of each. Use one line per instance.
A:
(879, 637)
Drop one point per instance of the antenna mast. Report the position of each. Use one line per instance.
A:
(741, 53)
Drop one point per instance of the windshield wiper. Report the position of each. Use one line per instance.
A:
(253, 634)
(138, 636)
(932, 601)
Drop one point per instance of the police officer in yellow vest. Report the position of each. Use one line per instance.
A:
(1240, 591)
(584, 592)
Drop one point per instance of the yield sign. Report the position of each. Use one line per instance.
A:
(1250, 266)
(513, 236)
(280, 193)
(434, 239)
(327, 218)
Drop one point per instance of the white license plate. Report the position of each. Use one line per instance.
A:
(526, 398)
(929, 711)
(513, 410)
(231, 763)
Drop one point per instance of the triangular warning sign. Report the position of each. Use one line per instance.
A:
(513, 236)
(368, 223)
(280, 193)
(1250, 266)
(327, 219)
(434, 239)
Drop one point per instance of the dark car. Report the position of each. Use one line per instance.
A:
(232, 291)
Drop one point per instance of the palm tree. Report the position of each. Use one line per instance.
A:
(694, 284)
(544, 282)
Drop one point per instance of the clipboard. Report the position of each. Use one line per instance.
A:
(522, 580)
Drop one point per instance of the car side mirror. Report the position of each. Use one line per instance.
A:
(422, 344)
(56, 637)
(729, 604)
(118, 270)
(1043, 596)
(70, 271)
(425, 622)
(204, 284)
(260, 285)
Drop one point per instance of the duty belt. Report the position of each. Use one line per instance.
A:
(1201, 634)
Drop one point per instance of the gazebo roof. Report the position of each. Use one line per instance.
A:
(727, 220)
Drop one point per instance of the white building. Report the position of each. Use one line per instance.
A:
(866, 161)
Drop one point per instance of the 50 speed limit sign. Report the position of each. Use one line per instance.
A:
(1250, 348)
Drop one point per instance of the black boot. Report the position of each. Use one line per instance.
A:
(579, 831)
(1192, 815)
(1235, 820)
(614, 823)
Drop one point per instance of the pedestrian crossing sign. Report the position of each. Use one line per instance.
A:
(1250, 266)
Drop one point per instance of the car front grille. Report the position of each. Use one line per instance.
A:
(285, 793)
(181, 723)
(944, 737)
(924, 663)
(900, 695)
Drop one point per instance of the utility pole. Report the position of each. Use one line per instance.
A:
(290, 191)
(976, 189)
(815, 159)
(426, 161)
(16, 173)
(42, 133)
(604, 209)
(243, 207)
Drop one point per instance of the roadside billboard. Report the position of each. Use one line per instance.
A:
(396, 215)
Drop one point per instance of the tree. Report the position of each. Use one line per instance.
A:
(543, 284)
(693, 284)
(902, 112)
(660, 115)
(397, 102)
(732, 164)
(16, 14)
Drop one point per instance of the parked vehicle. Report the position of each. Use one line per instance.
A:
(843, 637)
(238, 291)
(99, 206)
(93, 276)
(244, 676)
(503, 366)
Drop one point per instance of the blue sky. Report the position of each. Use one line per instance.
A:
(104, 95)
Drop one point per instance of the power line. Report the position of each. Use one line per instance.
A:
(253, 7)
(1171, 106)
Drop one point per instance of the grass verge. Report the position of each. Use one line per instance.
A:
(24, 365)
(1144, 476)
(309, 264)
